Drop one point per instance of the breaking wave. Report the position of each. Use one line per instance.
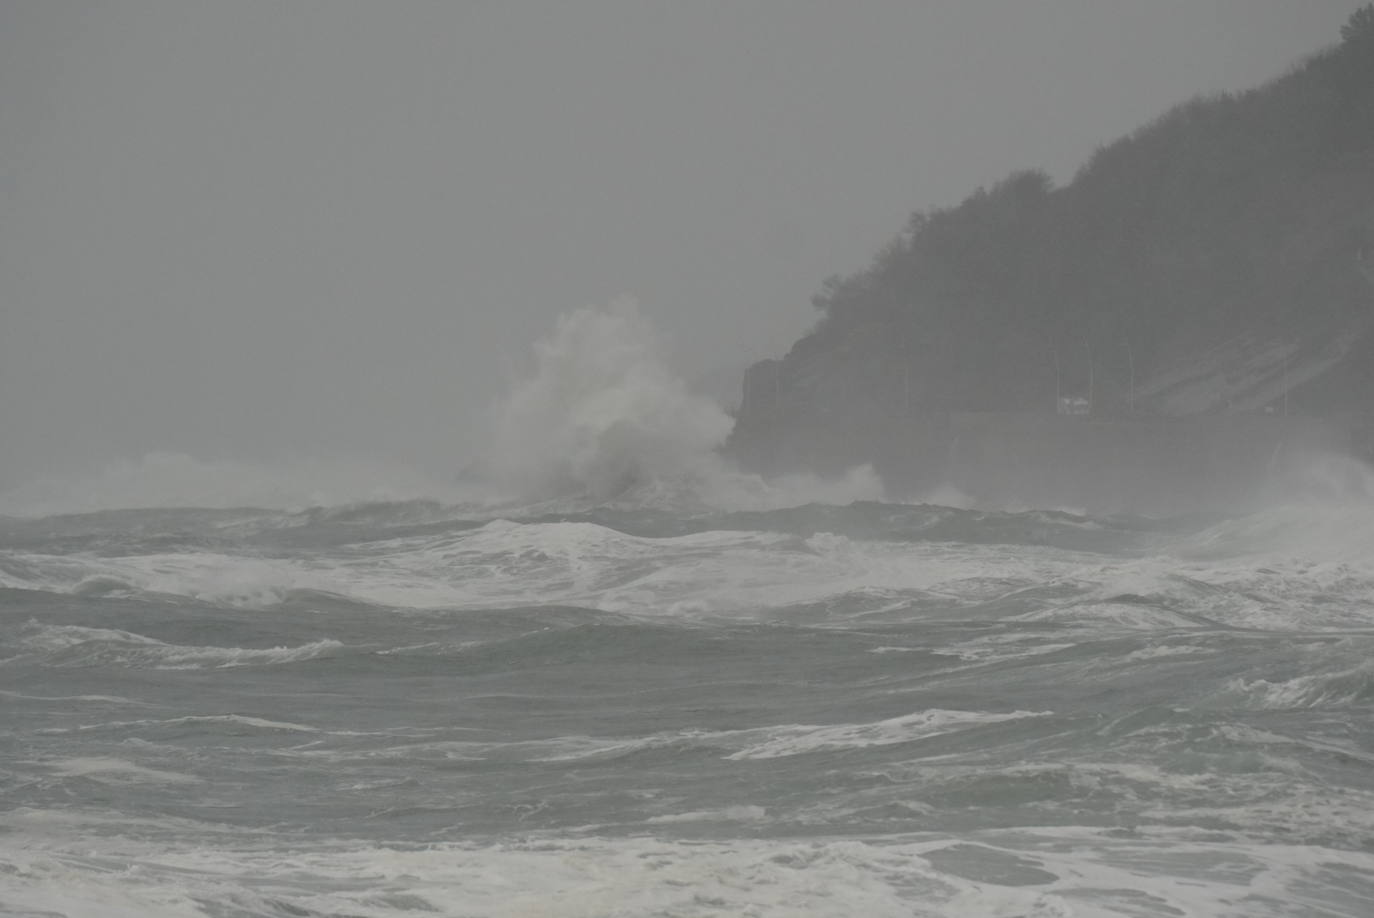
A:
(602, 412)
(604, 417)
(77, 646)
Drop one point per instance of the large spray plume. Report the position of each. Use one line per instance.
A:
(603, 416)
(602, 412)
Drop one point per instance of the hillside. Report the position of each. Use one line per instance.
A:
(1218, 260)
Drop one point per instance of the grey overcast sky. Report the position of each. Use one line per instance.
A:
(268, 229)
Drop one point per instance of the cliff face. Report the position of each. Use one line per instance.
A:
(1219, 260)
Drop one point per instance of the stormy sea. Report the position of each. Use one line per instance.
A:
(649, 687)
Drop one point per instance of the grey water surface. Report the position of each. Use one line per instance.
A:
(411, 709)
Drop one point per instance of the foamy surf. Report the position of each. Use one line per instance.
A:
(704, 695)
(922, 710)
(1054, 871)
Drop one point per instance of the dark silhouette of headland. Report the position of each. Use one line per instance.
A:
(1184, 323)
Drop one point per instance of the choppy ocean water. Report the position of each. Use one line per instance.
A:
(405, 709)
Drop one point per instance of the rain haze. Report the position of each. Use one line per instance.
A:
(273, 231)
(695, 459)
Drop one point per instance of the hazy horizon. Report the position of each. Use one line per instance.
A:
(260, 231)
(375, 538)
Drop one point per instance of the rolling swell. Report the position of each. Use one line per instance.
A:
(905, 522)
(919, 704)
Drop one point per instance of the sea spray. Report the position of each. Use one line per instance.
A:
(604, 416)
(602, 412)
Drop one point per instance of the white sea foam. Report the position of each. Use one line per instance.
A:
(754, 743)
(1160, 651)
(730, 572)
(770, 742)
(60, 637)
(117, 771)
(1342, 686)
(799, 739)
(504, 563)
(1001, 648)
(233, 720)
(710, 573)
(1272, 588)
(1316, 531)
(225, 579)
(74, 645)
(744, 813)
(1047, 872)
(67, 699)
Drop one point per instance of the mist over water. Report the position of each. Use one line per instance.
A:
(601, 417)
(178, 480)
(607, 673)
(306, 613)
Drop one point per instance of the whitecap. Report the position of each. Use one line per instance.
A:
(799, 739)
(117, 771)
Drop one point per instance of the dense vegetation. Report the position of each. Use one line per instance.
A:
(1229, 212)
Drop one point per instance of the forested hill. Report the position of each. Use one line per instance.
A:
(1217, 259)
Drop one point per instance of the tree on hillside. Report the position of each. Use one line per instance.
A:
(1359, 28)
(1221, 214)
(1354, 74)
